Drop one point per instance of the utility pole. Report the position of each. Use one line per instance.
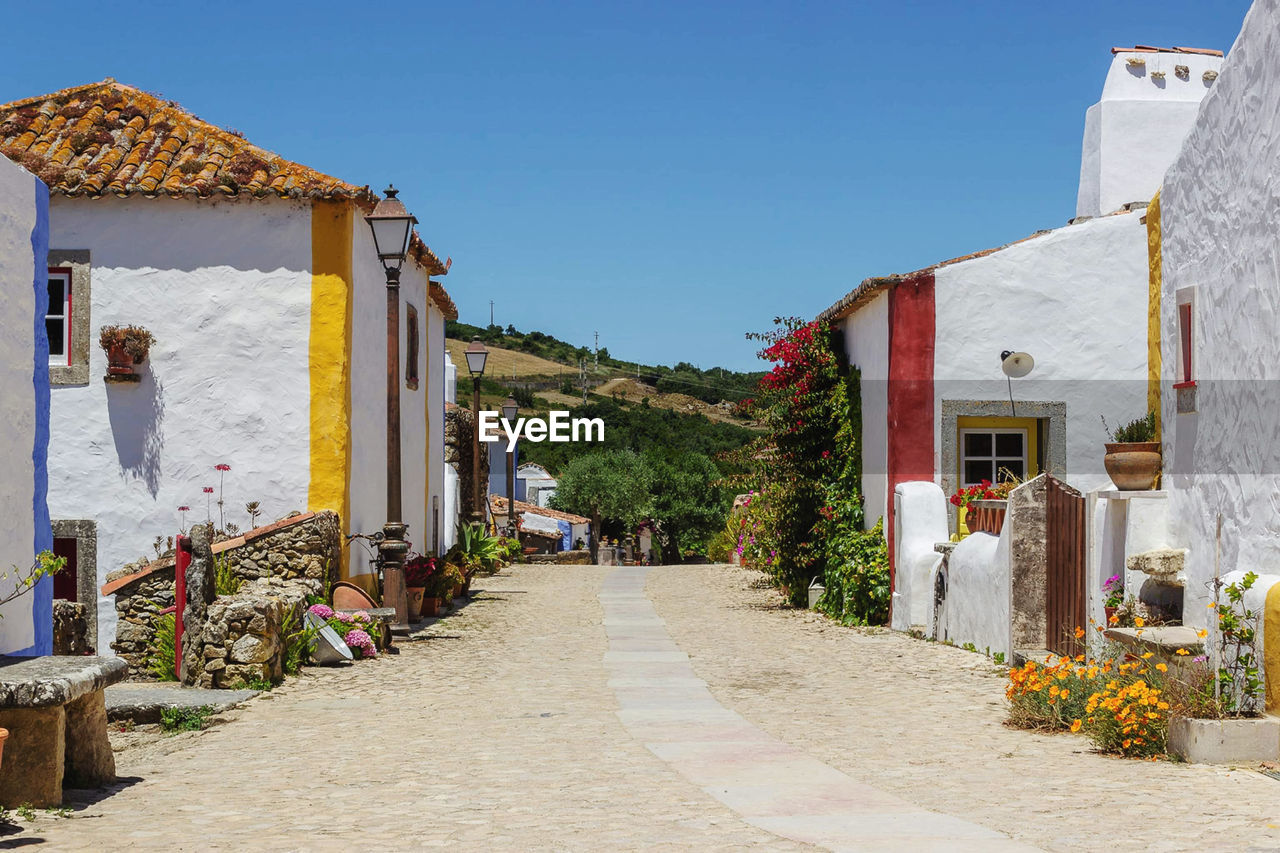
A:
(597, 362)
(582, 377)
(490, 312)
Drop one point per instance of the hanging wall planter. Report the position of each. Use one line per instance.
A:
(126, 347)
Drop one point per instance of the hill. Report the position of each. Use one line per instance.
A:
(552, 357)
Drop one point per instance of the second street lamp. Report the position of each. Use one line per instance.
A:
(509, 411)
(477, 355)
(392, 228)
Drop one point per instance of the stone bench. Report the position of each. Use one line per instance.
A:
(54, 710)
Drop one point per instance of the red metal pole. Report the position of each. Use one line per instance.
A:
(182, 559)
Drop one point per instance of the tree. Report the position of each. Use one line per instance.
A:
(610, 484)
(686, 501)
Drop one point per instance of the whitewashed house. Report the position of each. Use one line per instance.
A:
(259, 280)
(1216, 279)
(936, 406)
(26, 622)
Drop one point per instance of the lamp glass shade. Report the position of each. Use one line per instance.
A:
(477, 354)
(509, 409)
(392, 227)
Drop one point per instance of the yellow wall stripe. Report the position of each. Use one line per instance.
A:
(330, 360)
(1271, 648)
(1154, 288)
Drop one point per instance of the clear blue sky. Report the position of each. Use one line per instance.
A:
(671, 174)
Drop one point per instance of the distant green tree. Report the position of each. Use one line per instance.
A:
(685, 500)
(608, 484)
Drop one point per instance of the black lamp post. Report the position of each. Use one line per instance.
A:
(477, 354)
(392, 227)
(509, 411)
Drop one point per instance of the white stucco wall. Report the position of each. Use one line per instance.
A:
(1074, 298)
(369, 402)
(1136, 129)
(18, 403)
(436, 357)
(225, 286)
(1220, 203)
(920, 523)
(977, 604)
(866, 343)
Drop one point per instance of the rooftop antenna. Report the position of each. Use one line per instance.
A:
(1015, 366)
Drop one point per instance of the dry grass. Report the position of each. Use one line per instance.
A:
(502, 362)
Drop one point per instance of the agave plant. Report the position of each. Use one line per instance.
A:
(477, 550)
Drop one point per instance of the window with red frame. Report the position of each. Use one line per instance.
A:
(1186, 376)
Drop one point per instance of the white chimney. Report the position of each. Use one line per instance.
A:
(1135, 131)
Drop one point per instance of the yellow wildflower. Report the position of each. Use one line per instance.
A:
(1138, 622)
(1162, 667)
(1182, 652)
(1075, 726)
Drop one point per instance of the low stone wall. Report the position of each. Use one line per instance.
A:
(243, 636)
(138, 604)
(286, 560)
(70, 628)
(303, 546)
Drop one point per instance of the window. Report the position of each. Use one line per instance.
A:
(992, 454)
(1184, 372)
(412, 348)
(57, 321)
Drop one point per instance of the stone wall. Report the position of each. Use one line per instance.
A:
(70, 628)
(304, 545)
(280, 565)
(138, 603)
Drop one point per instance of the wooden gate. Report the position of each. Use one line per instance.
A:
(1064, 585)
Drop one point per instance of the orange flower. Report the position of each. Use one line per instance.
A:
(1138, 622)
(1202, 634)
(1162, 667)
(1075, 726)
(1079, 632)
(1114, 619)
(1182, 652)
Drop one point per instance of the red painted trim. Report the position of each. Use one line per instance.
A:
(1190, 383)
(910, 394)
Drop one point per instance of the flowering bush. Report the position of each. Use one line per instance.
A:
(322, 611)
(355, 629)
(418, 570)
(1113, 589)
(359, 641)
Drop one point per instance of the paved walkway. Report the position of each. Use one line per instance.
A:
(675, 708)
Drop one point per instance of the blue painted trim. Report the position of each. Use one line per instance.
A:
(42, 595)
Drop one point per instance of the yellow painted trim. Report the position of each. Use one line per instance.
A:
(332, 295)
(1154, 291)
(1271, 648)
(1033, 448)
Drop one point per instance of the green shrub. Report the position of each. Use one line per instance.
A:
(162, 650)
(185, 719)
(857, 577)
(299, 641)
(1142, 429)
(225, 580)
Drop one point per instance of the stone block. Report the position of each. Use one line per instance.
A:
(32, 767)
(89, 760)
(252, 649)
(1245, 741)
(1163, 563)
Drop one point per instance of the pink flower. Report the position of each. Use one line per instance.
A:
(323, 611)
(184, 509)
(208, 490)
(361, 615)
(222, 466)
(345, 618)
(358, 640)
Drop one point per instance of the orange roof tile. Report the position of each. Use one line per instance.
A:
(498, 506)
(107, 138)
(1146, 48)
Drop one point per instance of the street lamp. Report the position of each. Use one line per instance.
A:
(392, 228)
(477, 355)
(509, 411)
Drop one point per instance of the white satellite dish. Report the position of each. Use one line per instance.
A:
(1016, 364)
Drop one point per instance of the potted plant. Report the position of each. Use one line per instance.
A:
(440, 586)
(1221, 719)
(981, 508)
(418, 569)
(1114, 591)
(1133, 454)
(125, 346)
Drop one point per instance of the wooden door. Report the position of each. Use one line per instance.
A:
(1064, 584)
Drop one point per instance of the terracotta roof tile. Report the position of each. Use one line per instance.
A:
(498, 506)
(107, 138)
(1146, 48)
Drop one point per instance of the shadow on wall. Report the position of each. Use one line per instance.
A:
(136, 411)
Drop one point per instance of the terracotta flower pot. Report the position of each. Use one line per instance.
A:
(415, 596)
(119, 362)
(1109, 611)
(430, 606)
(1133, 466)
(4, 735)
(985, 516)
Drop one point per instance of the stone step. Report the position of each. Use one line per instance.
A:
(142, 702)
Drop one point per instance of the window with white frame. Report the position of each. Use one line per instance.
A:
(992, 454)
(57, 320)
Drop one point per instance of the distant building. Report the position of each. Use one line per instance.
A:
(258, 277)
(535, 484)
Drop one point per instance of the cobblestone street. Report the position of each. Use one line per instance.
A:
(558, 711)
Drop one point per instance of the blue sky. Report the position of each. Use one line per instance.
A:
(671, 174)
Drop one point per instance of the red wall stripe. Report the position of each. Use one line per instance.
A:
(910, 393)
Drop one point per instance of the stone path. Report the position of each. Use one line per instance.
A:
(531, 724)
